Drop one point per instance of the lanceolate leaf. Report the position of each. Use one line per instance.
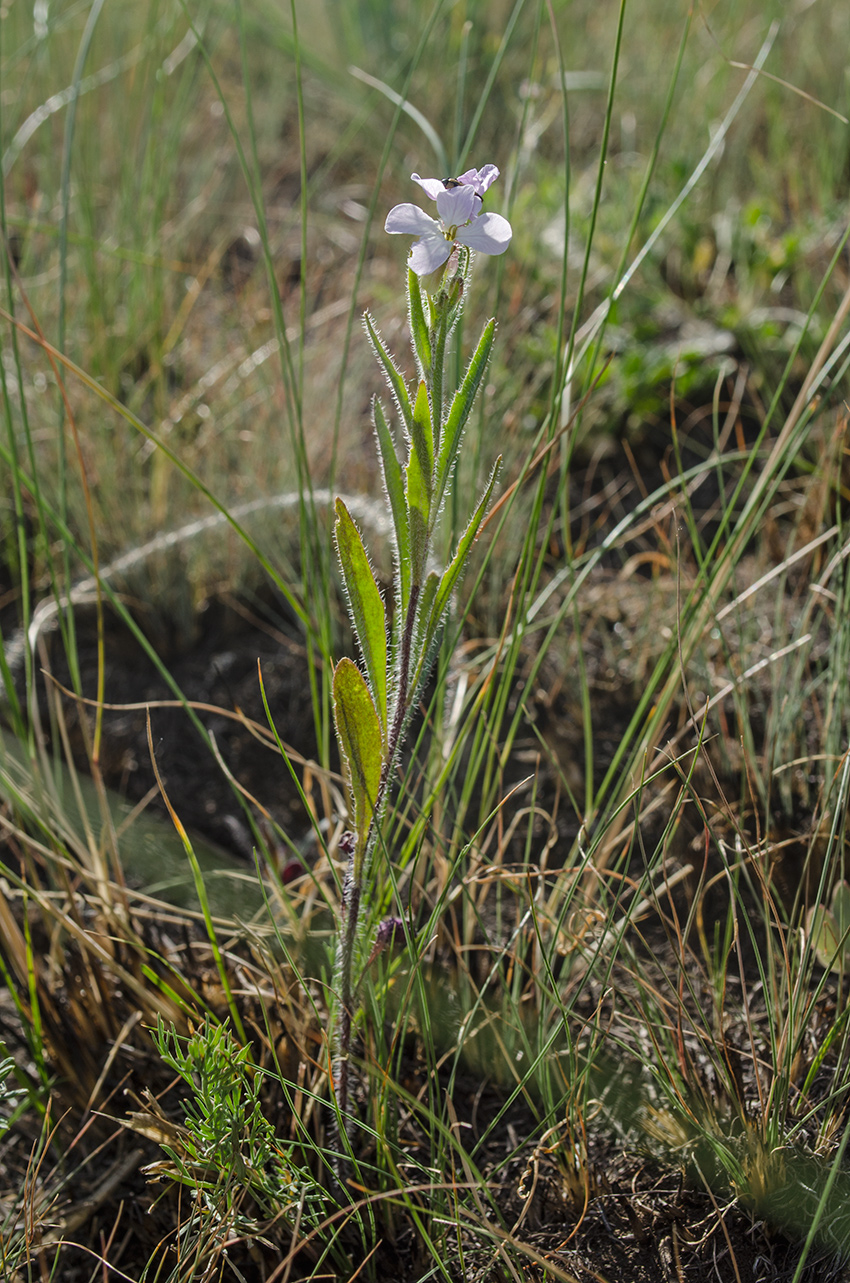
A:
(419, 481)
(437, 592)
(365, 605)
(458, 561)
(459, 412)
(426, 600)
(359, 733)
(419, 324)
(426, 606)
(396, 382)
(423, 437)
(394, 482)
(439, 336)
(417, 511)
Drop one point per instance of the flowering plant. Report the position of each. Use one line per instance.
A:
(461, 222)
(373, 700)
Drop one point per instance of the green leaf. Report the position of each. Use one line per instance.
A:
(439, 335)
(446, 308)
(841, 906)
(394, 378)
(459, 413)
(830, 930)
(418, 534)
(394, 482)
(420, 467)
(435, 598)
(426, 606)
(455, 567)
(365, 605)
(359, 733)
(422, 437)
(418, 324)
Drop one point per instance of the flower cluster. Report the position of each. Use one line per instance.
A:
(461, 222)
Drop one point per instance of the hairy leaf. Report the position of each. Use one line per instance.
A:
(455, 567)
(394, 482)
(359, 733)
(365, 605)
(394, 378)
(419, 481)
(419, 324)
(422, 439)
(459, 413)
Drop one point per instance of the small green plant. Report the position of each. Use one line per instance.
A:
(227, 1150)
(829, 930)
(12, 1098)
(373, 702)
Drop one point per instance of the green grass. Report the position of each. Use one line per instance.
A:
(627, 794)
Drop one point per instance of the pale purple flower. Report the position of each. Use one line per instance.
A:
(478, 179)
(460, 220)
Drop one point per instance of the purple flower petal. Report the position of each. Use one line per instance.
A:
(480, 179)
(486, 177)
(410, 220)
(429, 253)
(457, 205)
(490, 234)
(431, 186)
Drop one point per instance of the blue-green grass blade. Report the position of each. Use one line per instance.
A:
(399, 101)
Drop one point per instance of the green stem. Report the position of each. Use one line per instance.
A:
(358, 862)
(401, 709)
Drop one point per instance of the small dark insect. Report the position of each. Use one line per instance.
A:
(451, 183)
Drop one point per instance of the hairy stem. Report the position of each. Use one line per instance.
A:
(357, 863)
(401, 709)
(344, 968)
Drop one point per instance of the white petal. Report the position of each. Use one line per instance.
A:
(431, 186)
(410, 220)
(486, 177)
(429, 253)
(457, 205)
(479, 179)
(491, 234)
